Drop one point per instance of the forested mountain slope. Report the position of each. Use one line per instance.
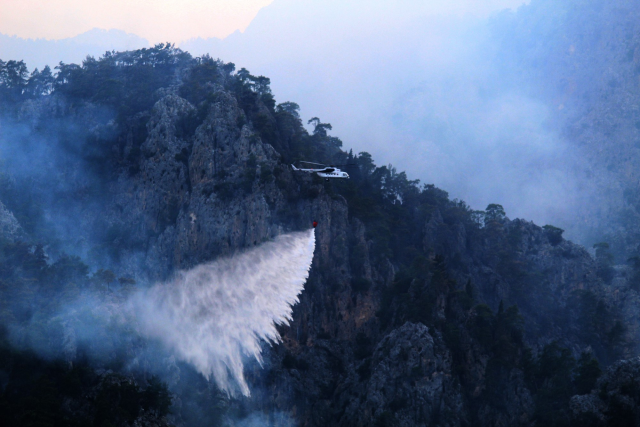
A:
(418, 310)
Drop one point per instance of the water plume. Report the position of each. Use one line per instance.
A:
(216, 314)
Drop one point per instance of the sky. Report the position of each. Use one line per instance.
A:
(155, 20)
(178, 20)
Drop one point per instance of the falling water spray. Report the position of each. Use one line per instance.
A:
(216, 314)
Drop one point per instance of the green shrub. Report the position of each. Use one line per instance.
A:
(554, 234)
(587, 373)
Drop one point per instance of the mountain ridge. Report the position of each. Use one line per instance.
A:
(41, 52)
(418, 309)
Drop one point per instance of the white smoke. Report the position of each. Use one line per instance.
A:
(216, 314)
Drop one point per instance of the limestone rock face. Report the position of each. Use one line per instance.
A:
(615, 399)
(502, 263)
(410, 383)
(218, 188)
(198, 196)
(196, 182)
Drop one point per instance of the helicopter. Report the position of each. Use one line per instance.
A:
(325, 172)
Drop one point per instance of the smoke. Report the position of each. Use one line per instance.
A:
(47, 178)
(439, 91)
(73, 50)
(216, 314)
(431, 91)
(212, 317)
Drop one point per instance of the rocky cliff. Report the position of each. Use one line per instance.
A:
(418, 311)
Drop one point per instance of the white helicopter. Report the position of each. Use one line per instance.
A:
(325, 172)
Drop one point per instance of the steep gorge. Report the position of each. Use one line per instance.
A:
(418, 310)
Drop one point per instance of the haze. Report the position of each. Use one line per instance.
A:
(157, 21)
(420, 87)
(416, 84)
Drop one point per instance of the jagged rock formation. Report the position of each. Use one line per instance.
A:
(185, 195)
(615, 399)
(409, 382)
(418, 311)
(203, 195)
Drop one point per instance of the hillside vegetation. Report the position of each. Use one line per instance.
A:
(419, 310)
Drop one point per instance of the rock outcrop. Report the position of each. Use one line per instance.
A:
(416, 312)
(407, 382)
(615, 399)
